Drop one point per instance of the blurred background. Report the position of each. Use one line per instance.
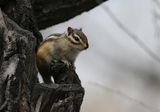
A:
(121, 69)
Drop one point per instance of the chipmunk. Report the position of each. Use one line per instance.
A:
(64, 47)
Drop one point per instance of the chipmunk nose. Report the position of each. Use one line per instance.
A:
(86, 46)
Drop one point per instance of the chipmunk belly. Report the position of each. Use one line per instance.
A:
(45, 52)
(43, 60)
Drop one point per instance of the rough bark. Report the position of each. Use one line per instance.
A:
(18, 71)
(20, 11)
(19, 37)
(50, 12)
(57, 98)
(46, 12)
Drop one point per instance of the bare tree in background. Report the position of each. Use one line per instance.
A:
(153, 77)
(156, 21)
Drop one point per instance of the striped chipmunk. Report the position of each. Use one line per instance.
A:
(64, 47)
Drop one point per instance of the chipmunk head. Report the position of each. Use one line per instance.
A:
(77, 38)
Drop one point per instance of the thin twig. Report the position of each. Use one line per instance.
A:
(131, 34)
(157, 3)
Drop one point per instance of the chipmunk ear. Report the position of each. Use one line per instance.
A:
(69, 30)
(80, 29)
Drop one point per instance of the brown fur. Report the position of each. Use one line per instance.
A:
(58, 48)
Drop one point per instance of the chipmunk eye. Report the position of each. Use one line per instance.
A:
(76, 38)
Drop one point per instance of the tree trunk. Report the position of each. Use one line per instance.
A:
(19, 38)
(18, 70)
